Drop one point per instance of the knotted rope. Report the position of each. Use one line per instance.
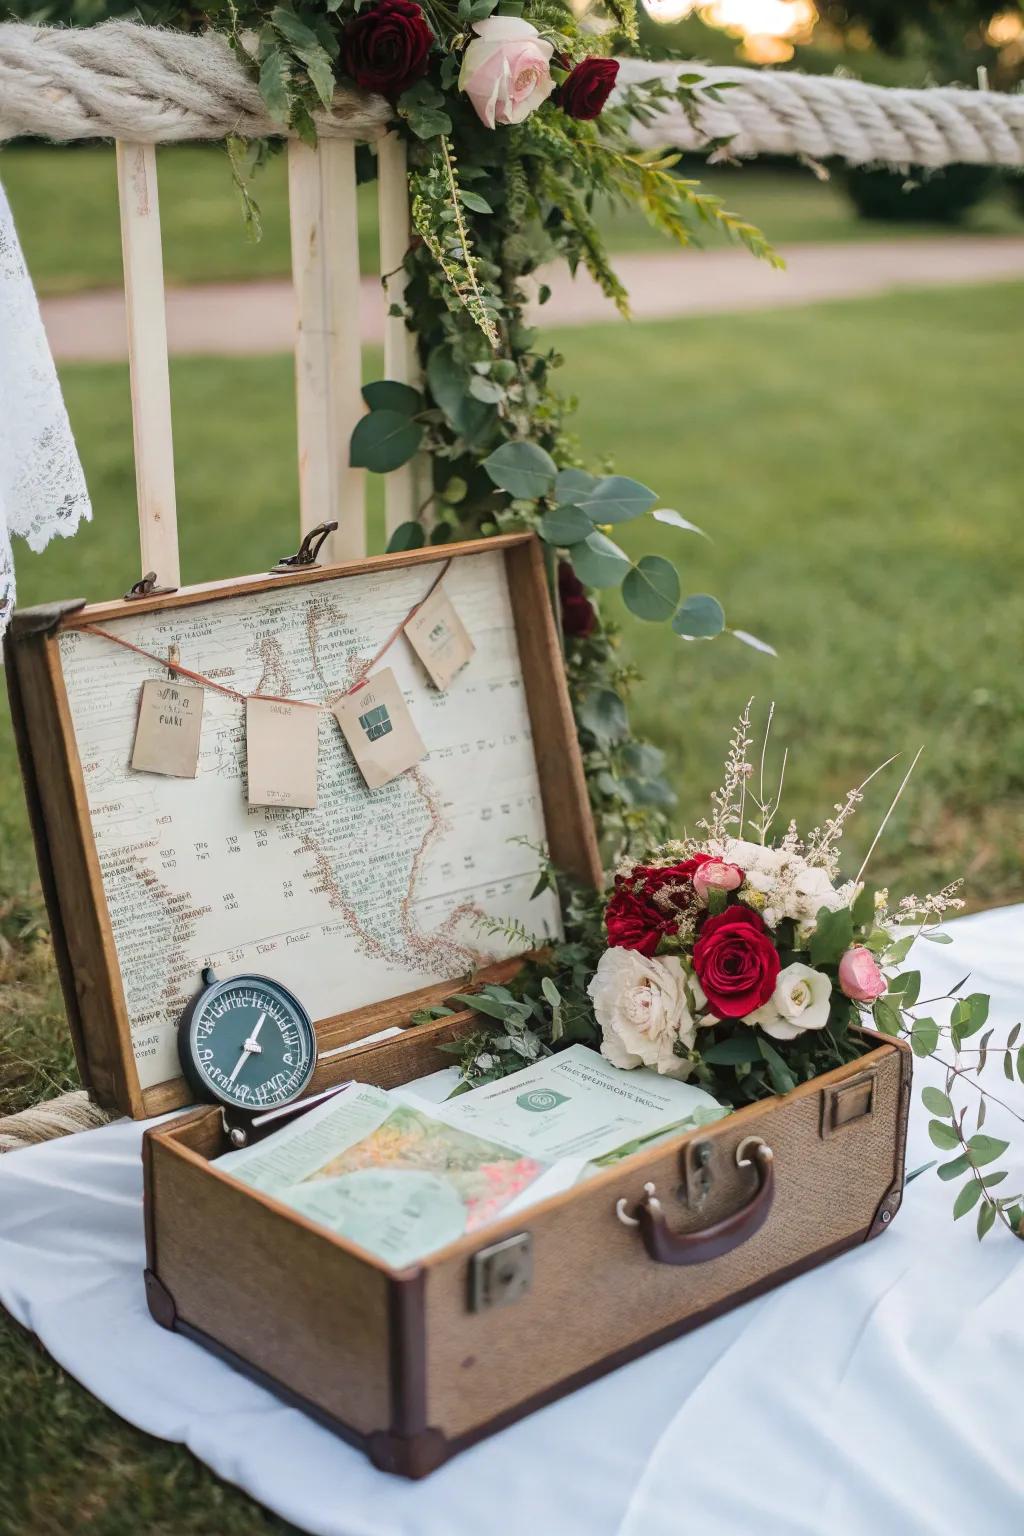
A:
(121, 80)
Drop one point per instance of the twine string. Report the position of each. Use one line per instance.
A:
(232, 693)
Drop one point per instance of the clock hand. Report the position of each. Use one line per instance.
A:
(250, 1046)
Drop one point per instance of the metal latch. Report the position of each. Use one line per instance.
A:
(304, 558)
(696, 1185)
(848, 1103)
(502, 1273)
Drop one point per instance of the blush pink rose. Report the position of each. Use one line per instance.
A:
(717, 875)
(505, 70)
(859, 976)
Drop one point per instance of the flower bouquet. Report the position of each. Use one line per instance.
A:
(751, 966)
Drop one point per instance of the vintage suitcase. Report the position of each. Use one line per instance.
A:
(146, 884)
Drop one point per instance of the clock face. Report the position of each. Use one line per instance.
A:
(247, 1042)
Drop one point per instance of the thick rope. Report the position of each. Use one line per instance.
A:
(145, 84)
(54, 1117)
(822, 117)
(123, 81)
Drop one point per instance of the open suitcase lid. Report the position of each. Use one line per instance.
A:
(371, 905)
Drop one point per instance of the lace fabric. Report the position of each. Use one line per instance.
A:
(42, 485)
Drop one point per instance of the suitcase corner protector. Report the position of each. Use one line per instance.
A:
(160, 1301)
(411, 1456)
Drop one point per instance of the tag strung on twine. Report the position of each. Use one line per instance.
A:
(282, 744)
(376, 723)
(168, 729)
(439, 638)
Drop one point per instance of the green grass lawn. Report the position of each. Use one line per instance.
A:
(65, 204)
(857, 468)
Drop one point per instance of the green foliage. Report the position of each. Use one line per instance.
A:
(383, 440)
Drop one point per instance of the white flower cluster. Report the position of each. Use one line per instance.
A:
(780, 883)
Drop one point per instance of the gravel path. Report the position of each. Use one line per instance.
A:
(248, 319)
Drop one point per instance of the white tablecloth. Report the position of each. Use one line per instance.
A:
(879, 1394)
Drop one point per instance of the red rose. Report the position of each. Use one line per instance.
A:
(648, 902)
(385, 48)
(736, 962)
(584, 94)
(578, 616)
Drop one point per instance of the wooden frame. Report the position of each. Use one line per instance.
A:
(66, 849)
(401, 1363)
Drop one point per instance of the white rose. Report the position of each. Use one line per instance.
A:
(800, 1001)
(642, 1006)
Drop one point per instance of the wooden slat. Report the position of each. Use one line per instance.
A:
(325, 271)
(404, 488)
(147, 360)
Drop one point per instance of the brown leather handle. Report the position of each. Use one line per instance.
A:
(668, 1247)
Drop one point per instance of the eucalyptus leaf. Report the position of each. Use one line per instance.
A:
(651, 589)
(603, 714)
(967, 1199)
(953, 1170)
(985, 1149)
(524, 470)
(943, 1135)
(886, 1017)
(701, 617)
(924, 1037)
(986, 1217)
(565, 526)
(407, 536)
(389, 395)
(734, 1051)
(782, 1078)
(598, 562)
(474, 201)
(573, 483)
(617, 499)
(937, 1102)
(384, 440)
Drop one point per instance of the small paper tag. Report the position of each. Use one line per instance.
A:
(377, 725)
(281, 742)
(167, 735)
(439, 638)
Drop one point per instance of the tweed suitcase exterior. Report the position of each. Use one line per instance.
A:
(415, 1366)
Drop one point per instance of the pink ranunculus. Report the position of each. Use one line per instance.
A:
(717, 875)
(859, 976)
(505, 70)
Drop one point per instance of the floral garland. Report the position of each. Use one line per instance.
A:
(515, 141)
(749, 968)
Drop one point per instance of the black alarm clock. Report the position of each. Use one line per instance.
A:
(247, 1043)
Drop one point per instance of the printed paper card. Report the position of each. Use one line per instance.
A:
(439, 638)
(281, 742)
(576, 1104)
(168, 730)
(379, 729)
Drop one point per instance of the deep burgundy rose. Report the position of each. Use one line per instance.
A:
(647, 904)
(736, 962)
(385, 48)
(578, 616)
(584, 93)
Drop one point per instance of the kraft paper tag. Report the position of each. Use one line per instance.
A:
(281, 743)
(167, 735)
(439, 638)
(379, 729)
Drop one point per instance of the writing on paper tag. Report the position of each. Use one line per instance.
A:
(439, 638)
(379, 729)
(281, 744)
(167, 735)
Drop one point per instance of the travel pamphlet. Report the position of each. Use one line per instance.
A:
(402, 1176)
